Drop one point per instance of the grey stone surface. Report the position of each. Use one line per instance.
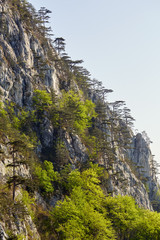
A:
(3, 235)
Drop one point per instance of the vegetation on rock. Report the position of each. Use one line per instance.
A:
(83, 206)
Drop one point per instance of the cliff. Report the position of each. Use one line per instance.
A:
(29, 62)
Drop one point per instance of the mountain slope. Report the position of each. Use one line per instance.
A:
(51, 108)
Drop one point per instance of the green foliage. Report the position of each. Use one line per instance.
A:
(28, 202)
(62, 154)
(27, 121)
(123, 213)
(76, 218)
(27, 13)
(10, 210)
(20, 145)
(76, 113)
(17, 125)
(26, 118)
(20, 151)
(41, 100)
(86, 213)
(46, 176)
(70, 111)
(15, 237)
(44, 224)
(148, 226)
(10, 109)
(21, 237)
(81, 215)
(130, 221)
(3, 112)
(4, 120)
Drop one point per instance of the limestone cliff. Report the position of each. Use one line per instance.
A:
(28, 61)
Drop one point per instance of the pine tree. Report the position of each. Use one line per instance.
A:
(59, 44)
(43, 20)
(17, 161)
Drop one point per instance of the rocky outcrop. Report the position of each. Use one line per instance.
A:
(133, 174)
(20, 55)
(141, 156)
(123, 181)
(25, 229)
(3, 235)
(143, 160)
(76, 149)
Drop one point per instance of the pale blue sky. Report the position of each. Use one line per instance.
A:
(119, 42)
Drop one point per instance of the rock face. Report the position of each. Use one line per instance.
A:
(123, 181)
(134, 174)
(21, 55)
(141, 155)
(75, 147)
(143, 160)
(3, 235)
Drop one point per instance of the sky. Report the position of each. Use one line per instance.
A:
(119, 42)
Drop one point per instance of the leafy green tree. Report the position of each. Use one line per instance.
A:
(41, 100)
(123, 213)
(81, 215)
(130, 221)
(28, 202)
(41, 103)
(75, 218)
(148, 226)
(86, 213)
(46, 176)
(76, 115)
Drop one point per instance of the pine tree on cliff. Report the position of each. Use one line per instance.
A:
(19, 150)
(43, 19)
(59, 44)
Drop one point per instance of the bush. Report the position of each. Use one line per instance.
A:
(46, 176)
(41, 100)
